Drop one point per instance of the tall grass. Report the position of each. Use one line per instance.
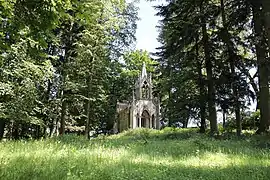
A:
(137, 154)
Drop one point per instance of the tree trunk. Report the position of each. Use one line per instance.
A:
(238, 118)
(210, 79)
(87, 126)
(63, 117)
(185, 123)
(224, 118)
(256, 90)
(266, 10)
(53, 127)
(25, 131)
(236, 102)
(202, 91)
(89, 84)
(262, 67)
(2, 128)
(37, 127)
(170, 123)
(64, 101)
(15, 131)
(232, 57)
(69, 54)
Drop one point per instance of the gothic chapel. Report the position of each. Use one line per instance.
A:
(143, 111)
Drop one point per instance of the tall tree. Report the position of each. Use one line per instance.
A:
(232, 58)
(61, 53)
(262, 65)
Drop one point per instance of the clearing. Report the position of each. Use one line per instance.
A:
(137, 154)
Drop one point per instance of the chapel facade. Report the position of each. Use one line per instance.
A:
(143, 110)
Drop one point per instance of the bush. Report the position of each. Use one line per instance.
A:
(250, 121)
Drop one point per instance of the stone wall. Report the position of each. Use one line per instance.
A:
(123, 120)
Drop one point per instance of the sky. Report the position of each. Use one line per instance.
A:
(147, 32)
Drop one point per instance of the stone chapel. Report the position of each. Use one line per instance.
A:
(143, 110)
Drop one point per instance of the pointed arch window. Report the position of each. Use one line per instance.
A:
(145, 90)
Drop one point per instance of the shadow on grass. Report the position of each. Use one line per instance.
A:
(24, 168)
(145, 154)
(168, 142)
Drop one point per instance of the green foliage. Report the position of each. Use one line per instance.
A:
(206, 54)
(58, 60)
(21, 76)
(67, 61)
(250, 121)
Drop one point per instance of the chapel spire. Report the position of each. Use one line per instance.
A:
(144, 73)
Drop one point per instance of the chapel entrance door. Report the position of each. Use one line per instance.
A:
(145, 119)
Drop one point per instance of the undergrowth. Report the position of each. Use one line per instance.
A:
(138, 154)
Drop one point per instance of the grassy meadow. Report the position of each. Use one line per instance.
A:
(137, 154)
